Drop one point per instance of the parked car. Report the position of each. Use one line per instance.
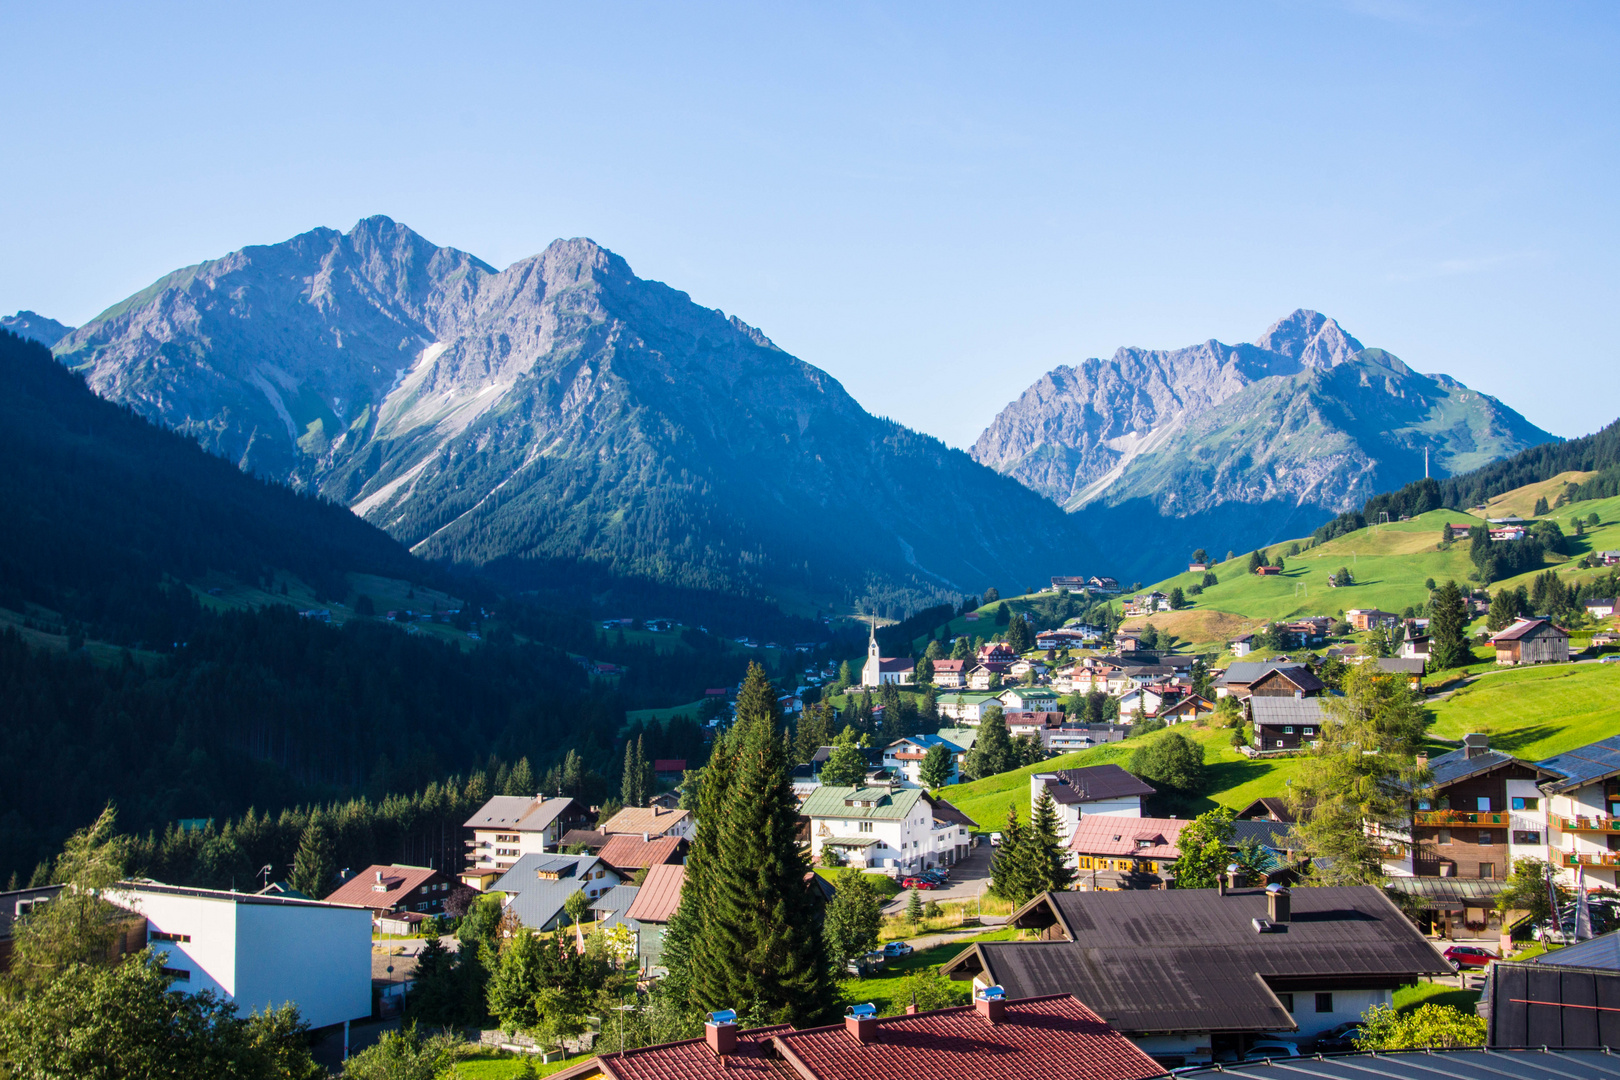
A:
(1468, 956)
(1266, 1049)
(921, 883)
(896, 948)
(995, 839)
(875, 958)
(1614, 659)
(858, 968)
(1340, 1040)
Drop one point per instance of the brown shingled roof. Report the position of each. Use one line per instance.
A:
(625, 852)
(361, 890)
(653, 820)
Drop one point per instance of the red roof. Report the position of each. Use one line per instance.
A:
(1105, 834)
(626, 852)
(361, 890)
(948, 665)
(660, 894)
(1037, 1037)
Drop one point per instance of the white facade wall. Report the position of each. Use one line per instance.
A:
(1069, 814)
(1587, 802)
(262, 955)
(903, 844)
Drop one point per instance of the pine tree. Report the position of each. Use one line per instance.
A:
(914, 908)
(1045, 861)
(1008, 878)
(1448, 623)
(315, 864)
(522, 780)
(935, 770)
(573, 774)
(630, 787)
(992, 751)
(758, 946)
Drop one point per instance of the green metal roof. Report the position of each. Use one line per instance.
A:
(886, 804)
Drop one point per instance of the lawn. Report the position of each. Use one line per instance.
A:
(886, 886)
(1408, 998)
(1235, 781)
(497, 1065)
(1535, 712)
(886, 990)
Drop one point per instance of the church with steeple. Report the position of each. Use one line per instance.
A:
(879, 670)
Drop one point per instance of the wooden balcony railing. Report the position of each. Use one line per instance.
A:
(1459, 817)
(1589, 824)
(1589, 858)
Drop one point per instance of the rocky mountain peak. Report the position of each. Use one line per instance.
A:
(1311, 338)
(35, 327)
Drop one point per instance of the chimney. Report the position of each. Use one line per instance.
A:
(991, 1002)
(911, 1009)
(720, 1032)
(379, 877)
(861, 1022)
(1278, 903)
(1476, 745)
(1423, 759)
(1234, 876)
(644, 838)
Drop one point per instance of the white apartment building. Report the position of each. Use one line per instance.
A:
(1099, 789)
(873, 827)
(904, 758)
(259, 951)
(508, 827)
(1583, 813)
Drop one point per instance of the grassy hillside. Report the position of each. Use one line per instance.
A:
(1235, 780)
(1522, 500)
(1535, 712)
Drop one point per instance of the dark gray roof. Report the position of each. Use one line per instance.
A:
(537, 901)
(1248, 671)
(615, 902)
(1597, 761)
(1286, 710)
(1272, 834)
(1466, 1064)
(1457, 765)
(1191, 959)
(1550, 1004)
(1400, 665)
(1093, 783)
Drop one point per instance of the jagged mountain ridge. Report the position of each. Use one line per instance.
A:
(1301, 424)
(560, 409)
(35, 327)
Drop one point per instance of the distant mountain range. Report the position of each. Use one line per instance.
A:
(35, 327)
(1234, 446)
(558, 413)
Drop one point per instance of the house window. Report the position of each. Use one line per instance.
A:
(1310, 731)
(177, 974)
(1324, 1002)
(1486, 838)
(1521, 836)
(1487, 871)
(1424, 804)
(1287, 1001)
(1279, 744)
(866, 826)
(1444, 837)
(601, 873)
(158, 935)
(1484, 804)
(1526, 804)
(1288, 729)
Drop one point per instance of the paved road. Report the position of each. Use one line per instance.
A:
(969, 878)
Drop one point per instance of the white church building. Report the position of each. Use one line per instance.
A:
(880, 670)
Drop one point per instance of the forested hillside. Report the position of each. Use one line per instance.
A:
(110, 520)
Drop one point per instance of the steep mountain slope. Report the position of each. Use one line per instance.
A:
(35, 327)
(102, 507)
(1237, 445)
(560, 411)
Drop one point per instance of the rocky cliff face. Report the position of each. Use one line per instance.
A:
(560, 409)
(1301, 424)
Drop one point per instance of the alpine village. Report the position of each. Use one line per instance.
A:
(412, 669)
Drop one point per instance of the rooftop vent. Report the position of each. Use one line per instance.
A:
(1266, 926)
(720, 1032)
(1476, 745)
(991, 1003)
(861, 1022)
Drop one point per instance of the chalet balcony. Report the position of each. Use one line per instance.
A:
(1589, 858)
(1589, 824)
(1459, 817)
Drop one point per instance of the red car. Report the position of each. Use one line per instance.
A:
(918, 883)
(1468, 956)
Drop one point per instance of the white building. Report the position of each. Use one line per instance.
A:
(509, 827)
(873, 827)
(1099, 789)
(904, 758)
(967, 708)
(1583, 813)
(259, 951)
(879, 670)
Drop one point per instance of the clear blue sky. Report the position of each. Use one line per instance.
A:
(934, 202)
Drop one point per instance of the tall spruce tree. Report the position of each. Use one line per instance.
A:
(757, 947)
(1448, 624)
(1045, 861)
(1008, 877)
(316, 862)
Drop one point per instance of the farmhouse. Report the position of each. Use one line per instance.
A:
(1600, 608)
(1532, 641)
(1098, 789)
(950, 674)
(872, 827)
(1284, 723)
